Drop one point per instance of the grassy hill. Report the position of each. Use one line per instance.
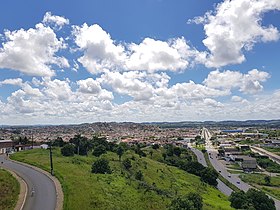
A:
(120, 190)
(9, 190)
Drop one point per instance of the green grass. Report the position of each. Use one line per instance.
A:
(9, 190)
(120, 190)
(235, 166)
(257, 180)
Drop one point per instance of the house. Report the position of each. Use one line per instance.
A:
(6, 146)
(44, 146)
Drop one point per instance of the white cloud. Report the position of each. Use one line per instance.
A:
(236, 98)
(89, 86)
(100, 51)
(129, 83)
(248, 83)
(154, 55)
(235, 26)
(53, 19)
(57, 89)
(32, 51)
(212, 102)
(16, 81)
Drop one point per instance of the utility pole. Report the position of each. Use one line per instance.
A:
(32, 140)
(51, 161)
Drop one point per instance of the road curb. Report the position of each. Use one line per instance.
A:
(58, 188)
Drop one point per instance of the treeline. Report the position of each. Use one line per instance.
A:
(181, 158)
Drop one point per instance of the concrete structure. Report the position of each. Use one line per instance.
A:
(6, 146)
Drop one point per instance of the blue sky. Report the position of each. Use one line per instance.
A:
(155, 60)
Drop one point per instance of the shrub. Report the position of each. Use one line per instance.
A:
(139, 175)
(68, 150)
(127, 163)
(101, 166)
(99, 150)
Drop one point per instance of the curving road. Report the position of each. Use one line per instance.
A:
(221, 186)
(44, 197)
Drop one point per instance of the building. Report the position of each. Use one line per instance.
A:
(249, 163)
(6, 146)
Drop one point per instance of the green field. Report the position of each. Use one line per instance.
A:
(258, 181)
(9, 190)
(120, 190)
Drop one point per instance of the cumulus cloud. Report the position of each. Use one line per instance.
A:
(57, 89)
(32, 51)
(100, 51)
(16, 81)
(235, 26)
(56, 20)
(89, 86)
(153, 55)
(248, 83)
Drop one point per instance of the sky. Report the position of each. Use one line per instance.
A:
(68, 62)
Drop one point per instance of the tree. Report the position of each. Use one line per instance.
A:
(99, 150)
(127, 164)
(58, 142)
(259, 200)
(267, 180)
(139, 175)
(191, 201)
(177, 151)
(81, 144)
(151, 153)
(68, 150)
(209, 175)
(101, 166)
(169, 150)
(155, 146)
(238, 200)
(252, 199)
(120, 152)
(164, 156)
(193, 167)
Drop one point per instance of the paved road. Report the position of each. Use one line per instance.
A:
(44, 197)
(221, 186)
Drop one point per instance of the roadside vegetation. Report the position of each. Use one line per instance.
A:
(9, 190)
(270, 185)
(268, 164)
(110, 176)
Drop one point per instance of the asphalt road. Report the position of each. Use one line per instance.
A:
(221, 186)
(44, 197)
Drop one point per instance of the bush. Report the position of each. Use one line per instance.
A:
(101, 166)
(191, 201)
(127, 163)
(99, 150)
(68, 150)
(139, 175)
(155, 146)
